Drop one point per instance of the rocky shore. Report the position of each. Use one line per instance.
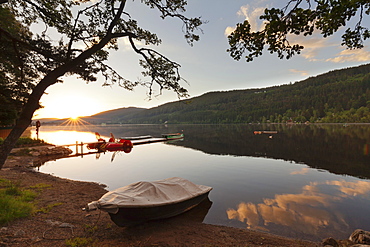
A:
(60, 220)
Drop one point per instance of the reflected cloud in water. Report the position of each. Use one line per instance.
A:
(303, 171)
(314, 211)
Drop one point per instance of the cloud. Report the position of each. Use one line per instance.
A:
(316, 48)
(252, 14)
(125, 45)
(313, 45)
(359, 55)
(303, 73)
(229, 30)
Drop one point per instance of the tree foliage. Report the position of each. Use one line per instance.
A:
(76, 39)
(300, 17)
(16, 74)
(101, 23)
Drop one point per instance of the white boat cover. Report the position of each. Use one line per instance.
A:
(149, 194)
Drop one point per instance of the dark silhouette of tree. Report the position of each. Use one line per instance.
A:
(88, 32)
(325, 16)
(16, 75)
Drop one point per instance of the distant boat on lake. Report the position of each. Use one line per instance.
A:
(259, 132)
(137, 137)
(173, 136)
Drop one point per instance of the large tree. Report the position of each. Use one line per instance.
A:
(88, 31)
(16, 75)
(301, 17)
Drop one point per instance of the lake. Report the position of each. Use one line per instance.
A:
(305, 181)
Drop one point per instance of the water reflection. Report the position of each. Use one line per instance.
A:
(336, 148)
(279, 184)
(339, 149)
(316, 208)
(64, 137)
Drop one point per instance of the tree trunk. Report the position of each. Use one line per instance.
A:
(32, 104)
(25, 117)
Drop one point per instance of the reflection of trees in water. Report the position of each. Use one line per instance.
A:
(336, 148)
(333, 147)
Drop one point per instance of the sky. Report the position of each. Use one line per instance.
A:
(206, 66)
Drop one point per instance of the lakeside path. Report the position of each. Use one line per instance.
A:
(63, 223)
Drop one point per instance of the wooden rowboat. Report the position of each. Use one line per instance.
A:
(144, 201)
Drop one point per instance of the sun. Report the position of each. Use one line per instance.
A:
(71, 106)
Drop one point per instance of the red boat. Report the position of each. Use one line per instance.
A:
(111, 145)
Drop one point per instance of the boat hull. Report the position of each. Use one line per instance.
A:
(122, 145)
(118, 146)
(130, 216)
(173, 136)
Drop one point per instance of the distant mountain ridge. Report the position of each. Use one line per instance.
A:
(113, 116)
(337, 96)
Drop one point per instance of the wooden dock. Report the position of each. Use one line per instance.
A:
(80, 145)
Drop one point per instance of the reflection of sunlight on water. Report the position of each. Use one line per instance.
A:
(73, 134)
(64, 137)
(309, 211)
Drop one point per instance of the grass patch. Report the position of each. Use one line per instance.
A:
(91, 228)
(49, 207)
(26, 141)
(41, 186)
(15, 202)
(79, 242)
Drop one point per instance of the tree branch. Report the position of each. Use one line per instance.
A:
(25, 44)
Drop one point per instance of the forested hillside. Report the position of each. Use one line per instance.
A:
(113, 116)
(337, 96)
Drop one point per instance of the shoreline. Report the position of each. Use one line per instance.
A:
(63, 223)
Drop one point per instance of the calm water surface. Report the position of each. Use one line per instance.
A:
(308, 182)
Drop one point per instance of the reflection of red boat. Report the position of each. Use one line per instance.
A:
(122, 145)
(95, 145)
